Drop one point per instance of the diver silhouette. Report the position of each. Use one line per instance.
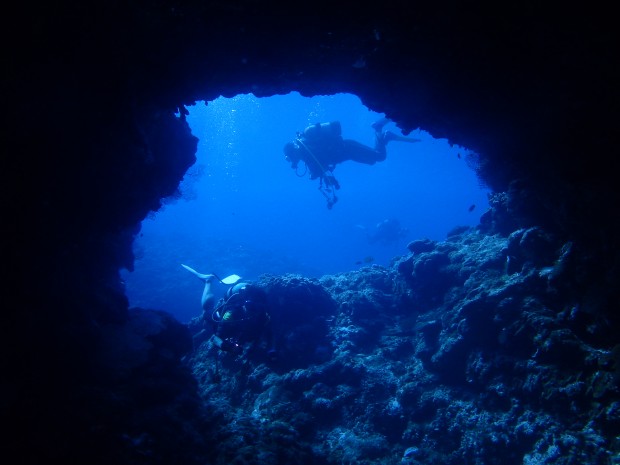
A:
(388, 231)
(321, 147)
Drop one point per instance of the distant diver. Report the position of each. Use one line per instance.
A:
(321, 147)
(386, 232)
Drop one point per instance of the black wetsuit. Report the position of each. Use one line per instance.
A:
(322, 148)
(242, 316)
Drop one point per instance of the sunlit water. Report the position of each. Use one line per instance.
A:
(245, 210)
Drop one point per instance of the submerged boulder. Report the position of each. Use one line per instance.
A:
(488, 370)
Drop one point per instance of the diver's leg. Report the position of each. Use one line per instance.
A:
(208, 297)
(356, 151)
(380, 140)
(383, 137)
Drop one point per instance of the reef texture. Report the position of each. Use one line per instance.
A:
(94, 139)
(463, 351)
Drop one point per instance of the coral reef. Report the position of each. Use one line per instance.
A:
(464, 351)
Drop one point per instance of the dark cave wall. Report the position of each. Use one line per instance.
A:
(92, 91)
(529, 88)
(92, 142)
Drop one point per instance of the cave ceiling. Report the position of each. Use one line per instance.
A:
(533, 90)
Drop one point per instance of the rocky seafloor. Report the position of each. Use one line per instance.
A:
(485, 348)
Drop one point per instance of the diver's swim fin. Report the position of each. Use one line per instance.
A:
(406, 139)
(378, 125)
(232, 279)
(194, 272)
(390, 136)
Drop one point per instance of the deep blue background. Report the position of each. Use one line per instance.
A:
(245, 211)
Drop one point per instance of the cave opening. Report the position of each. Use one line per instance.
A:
(244, 210)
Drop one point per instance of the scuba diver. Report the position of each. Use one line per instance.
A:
(386, 232)
(239, 321)
(321, 147)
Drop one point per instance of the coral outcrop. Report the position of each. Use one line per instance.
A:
(463, 351)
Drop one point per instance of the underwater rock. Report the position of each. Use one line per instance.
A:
(421, 245)
(485, 362)
(148, 337)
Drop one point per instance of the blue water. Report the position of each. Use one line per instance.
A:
(245, 211)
